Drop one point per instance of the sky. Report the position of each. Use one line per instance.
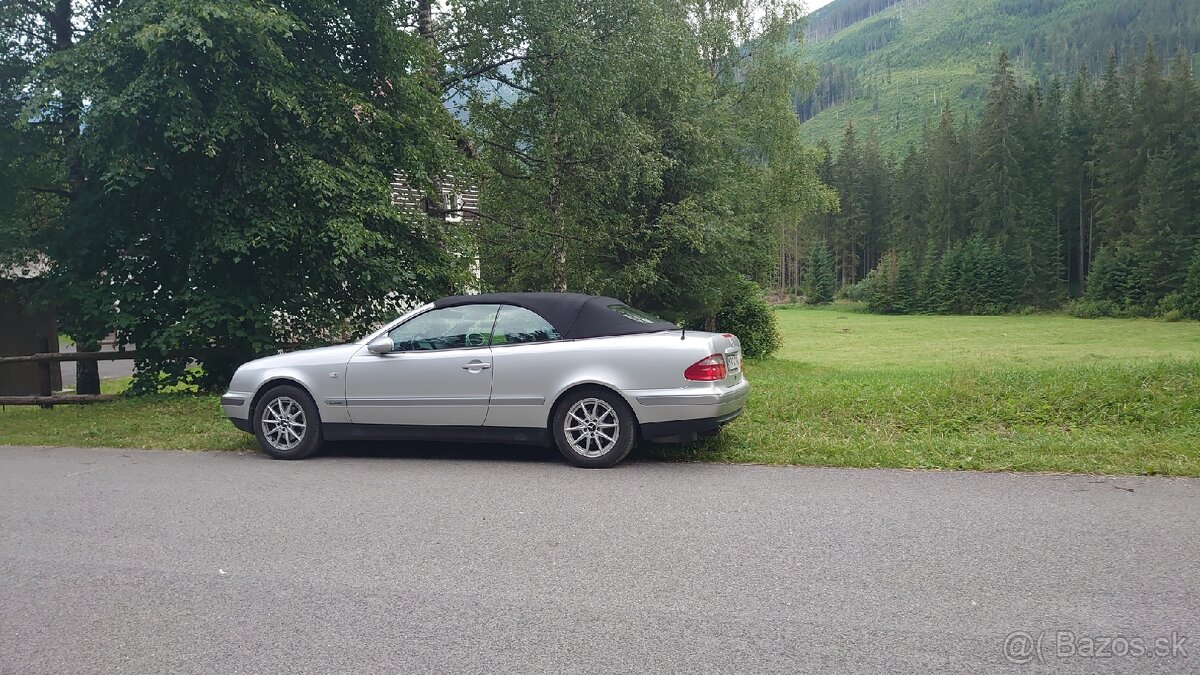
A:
(814, 5)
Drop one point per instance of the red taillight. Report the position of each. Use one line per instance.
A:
(708, 369)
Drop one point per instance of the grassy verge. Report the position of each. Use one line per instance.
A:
(169, 421)
(1026, 393)
(1141, 418)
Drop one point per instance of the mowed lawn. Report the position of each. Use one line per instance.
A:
(1023, 393)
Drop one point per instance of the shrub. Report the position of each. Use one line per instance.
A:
(1089, 308)
(858, 292)
(746, 314)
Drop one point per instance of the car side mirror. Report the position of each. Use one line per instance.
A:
(381, 345)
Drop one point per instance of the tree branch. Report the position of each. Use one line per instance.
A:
(477, 71)
(513, 151)
(65, 194)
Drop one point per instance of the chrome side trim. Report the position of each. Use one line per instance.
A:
(416, 401)
(518, 400)
(694, 399)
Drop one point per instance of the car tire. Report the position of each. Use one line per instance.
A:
(593, 428)
(287, 424)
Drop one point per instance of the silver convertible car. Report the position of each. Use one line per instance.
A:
(589, 373)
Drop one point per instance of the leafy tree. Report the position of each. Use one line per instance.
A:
(235, 159)
(41, 145)
(649, 157)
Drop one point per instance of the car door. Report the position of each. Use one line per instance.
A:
(439, 372)
(528, 356)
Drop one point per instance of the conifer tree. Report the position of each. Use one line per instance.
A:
(1108, 280)
(819, 282)
(1160, 245)
(1000, 179)
(1190, 294)
(848, 179)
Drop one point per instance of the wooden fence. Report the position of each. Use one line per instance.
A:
(46, 396)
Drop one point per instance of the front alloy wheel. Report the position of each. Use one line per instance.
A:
(287, 424)
(283, 423)
(594, 428)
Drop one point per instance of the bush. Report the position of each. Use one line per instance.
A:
(858, 292)
(746, 314)
(1088, 308)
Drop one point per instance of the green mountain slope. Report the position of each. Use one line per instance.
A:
(892, 64)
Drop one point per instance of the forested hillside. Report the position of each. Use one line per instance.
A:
(1088, 189)
(893, 64)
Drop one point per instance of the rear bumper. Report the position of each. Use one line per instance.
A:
(685, 431)
(688, 404)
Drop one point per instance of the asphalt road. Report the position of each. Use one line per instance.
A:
(143, 561)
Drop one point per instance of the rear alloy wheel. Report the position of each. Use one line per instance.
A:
(594, 428)
(287, 424)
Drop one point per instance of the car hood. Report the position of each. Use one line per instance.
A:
(337, 354)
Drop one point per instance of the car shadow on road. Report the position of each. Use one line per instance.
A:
(477, 452)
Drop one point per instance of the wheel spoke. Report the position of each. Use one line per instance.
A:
(592, 427)
(284, 423)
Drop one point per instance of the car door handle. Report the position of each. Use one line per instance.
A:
(476, 365)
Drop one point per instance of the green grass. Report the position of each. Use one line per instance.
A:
(169, 421)
(1024, 393)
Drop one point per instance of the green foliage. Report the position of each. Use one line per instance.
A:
(818, 283)
(898, 62)
(640, 155)
(235, 162)
(746, 314)
(1189, 297)
(1111, 284)
(859, 291)
(1006, 212)
(893, 288)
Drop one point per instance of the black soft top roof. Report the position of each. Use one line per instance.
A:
(573, 315)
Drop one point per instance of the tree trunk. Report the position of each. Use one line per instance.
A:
(1082, 273)
(425, 19)
(87, 373)
(558, 224)
(61, 20)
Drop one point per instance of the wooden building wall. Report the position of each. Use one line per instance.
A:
(24, 332)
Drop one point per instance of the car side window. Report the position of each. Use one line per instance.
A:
(446, 328)
(517, 325)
